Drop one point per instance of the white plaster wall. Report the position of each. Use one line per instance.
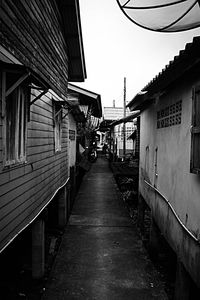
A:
(180, 187)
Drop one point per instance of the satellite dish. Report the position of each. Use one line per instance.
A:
(162, 15)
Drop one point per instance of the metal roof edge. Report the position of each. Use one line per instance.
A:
(80, 90)
(126, 119)
(94, 96)
(187, 59)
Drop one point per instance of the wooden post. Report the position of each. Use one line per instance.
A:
(72, 185)
(62, 207)
(38, 248)
(69, 203)
(183, 283)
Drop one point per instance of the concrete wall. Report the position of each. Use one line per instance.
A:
(165, 164)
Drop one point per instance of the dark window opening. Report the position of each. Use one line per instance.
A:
(15, 105)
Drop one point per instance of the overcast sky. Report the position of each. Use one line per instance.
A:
(116, 48)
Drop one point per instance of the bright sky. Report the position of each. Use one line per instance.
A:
(116, 48)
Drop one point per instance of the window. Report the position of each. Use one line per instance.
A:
(170, 115)
(195, 132)
(72, 135)
(57, 123)
(15, 120)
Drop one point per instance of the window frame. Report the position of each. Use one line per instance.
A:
(14, 153)
(195, 130)
(57, 117)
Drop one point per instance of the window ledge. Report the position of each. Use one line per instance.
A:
(14, 163)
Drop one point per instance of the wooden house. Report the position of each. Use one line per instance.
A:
(90, 105)
(84, 117)
(169, 181)
(41, 50)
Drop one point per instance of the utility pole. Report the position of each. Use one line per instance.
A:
(124, 125)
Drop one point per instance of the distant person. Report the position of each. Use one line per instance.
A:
(105, 147)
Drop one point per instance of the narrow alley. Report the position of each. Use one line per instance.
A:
(79, 81)
(101, 255)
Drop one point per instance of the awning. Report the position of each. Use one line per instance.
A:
(126, 119)
(87, 98)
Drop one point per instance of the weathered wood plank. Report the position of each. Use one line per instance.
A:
(54, 33)
(37, 117)
(34, 163)
(33, 180)
(35, 157)
(40, 141)
(44, 102)
(35, 133)
(11, 12)
(21, 54)
(39, 150)
(40, 12)
(41, 39)
(54, 39)
(35, 121)
(35, 127)
(42, 113)
(41, 46)
(27, 43)
(12, 222)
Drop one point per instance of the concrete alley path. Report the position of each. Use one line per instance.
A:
(101, 255)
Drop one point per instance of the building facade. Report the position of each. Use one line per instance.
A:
(41, 50)
(169, 179)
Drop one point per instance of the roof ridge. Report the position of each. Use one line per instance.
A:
(176, 59)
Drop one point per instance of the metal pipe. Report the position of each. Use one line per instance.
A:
(173, 211)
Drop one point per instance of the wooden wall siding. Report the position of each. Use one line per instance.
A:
(25, 189)
(1, 125)
(31, 30)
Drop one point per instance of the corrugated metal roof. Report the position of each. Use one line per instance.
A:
(186, 54)
(114, 113)
(126, 119)
(182, 63)
(87, 98)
